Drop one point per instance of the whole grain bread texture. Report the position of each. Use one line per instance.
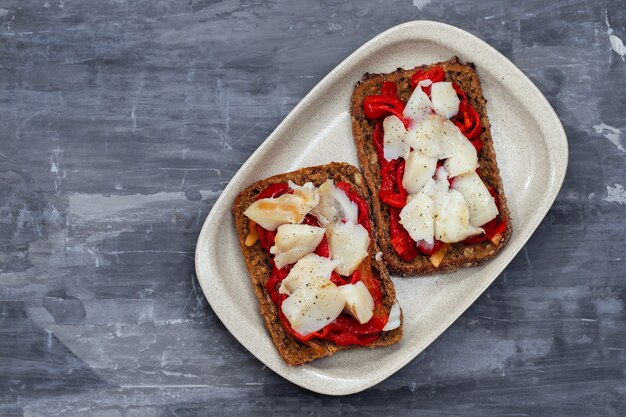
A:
(257, 261)
(459, 255)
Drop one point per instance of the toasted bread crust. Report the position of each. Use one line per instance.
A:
(257, 262)
(460, 255)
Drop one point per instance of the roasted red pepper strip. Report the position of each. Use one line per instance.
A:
(476, 239)
(459, 92)
(434, 74)
(468, 119)
(491, 228)
(266, 237)
(377, 138)
(401, 241)
(389, 89)
(388, 182)
(364, 216)
(391, 179)
(399, 177)
(380, 316)
(355, 277)
(471, 120)
(478, 144)
(337, 279)
(276, 277)
(323, 249)
(348, 324)
(347, 339)
(492, 191)
(500, 228)
(380, 106)
(361, 204)
(274, 191)
(376, 107)
(428, 252)
(372, 283)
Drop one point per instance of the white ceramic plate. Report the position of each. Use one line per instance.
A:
(531, 147)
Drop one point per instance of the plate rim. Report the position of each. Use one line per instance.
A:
(558, 138)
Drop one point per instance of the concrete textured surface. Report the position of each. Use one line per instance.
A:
(122, 121)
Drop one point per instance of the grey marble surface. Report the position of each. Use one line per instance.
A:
(121, 122)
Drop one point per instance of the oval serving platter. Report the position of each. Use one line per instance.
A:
(532, 154)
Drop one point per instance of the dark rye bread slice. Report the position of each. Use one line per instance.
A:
(257, 261)
(459, 255)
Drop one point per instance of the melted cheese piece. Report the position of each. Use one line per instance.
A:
(444, 99)
(334, 205)
(288, 208)
(482, 206)
(440, 187)
(462, 154)
(306, 269)
(349, 244)
(437, 137)
(450, 212)
(394, 318)
(293, 241)
(419, 169)
(417, 217)
(425, 83)
(308, 192)
(394, 145)
(315, 304)
(452, 219)
(418, 106)
(426, 136)
(359, 301)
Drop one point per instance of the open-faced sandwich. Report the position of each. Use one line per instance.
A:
(306, 240)
(425, 147)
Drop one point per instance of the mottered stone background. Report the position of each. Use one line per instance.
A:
(122, 121)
